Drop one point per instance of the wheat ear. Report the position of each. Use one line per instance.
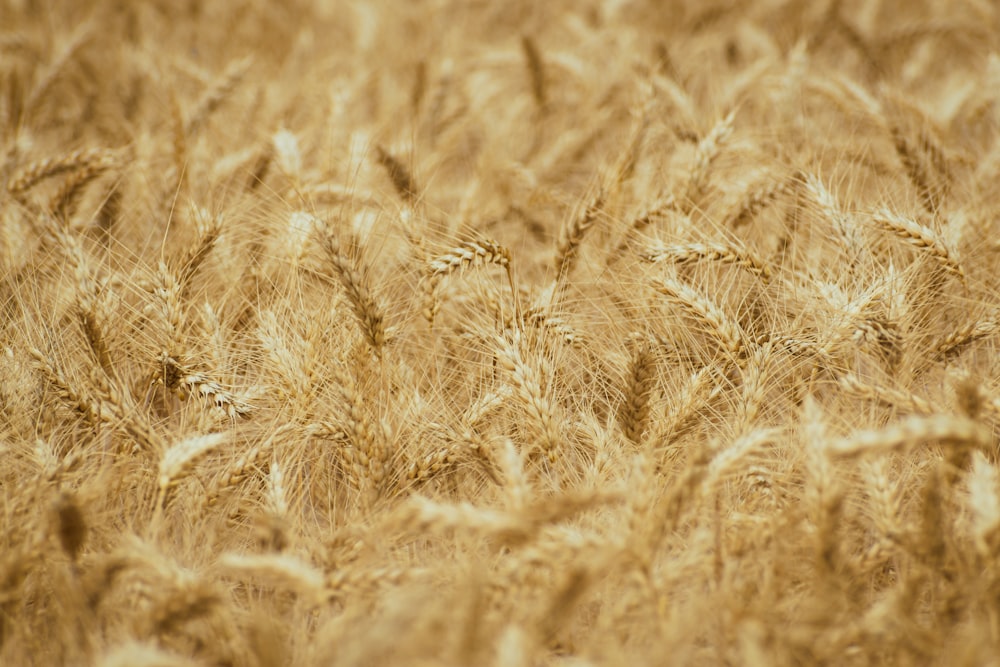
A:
(49, 167)
(177, 461)
(528, 383)
(466, 255)
(706, 153)
(402, 179)
(958, 340)
(690, 253)
(536, 70)
(702, 308)
(902, 400)
(921, 237)
(572, 233)
(946, 429)
(217, 94)
(254, 457)
(354, 279)
(758, 197)
(63, 204)
(848, 233)
(640, 380)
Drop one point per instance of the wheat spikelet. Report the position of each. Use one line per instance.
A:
(209, 228)
(101, 403)
(887, 396)
(288, 155)
(58, 65)
(72, 525)
(754, 370)
(984, 503)
(224, 400)
(63, 204)
(699, 389)
(726, 460)
(759, 196)
(831, 209)
(241, 468)
(432, 464)
(540, 318)
(643, 220)
(368, 452)
(886, 499)
(402, 179)
(952, 344)
(217, 94)
(90, 300)
(919, 162)
(167, 312)
(284, 570)
(467, 255)
(129, 654)
(536, 70)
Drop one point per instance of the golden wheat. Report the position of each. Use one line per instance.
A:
(733, 399)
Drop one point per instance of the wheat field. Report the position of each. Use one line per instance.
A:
(514, 333)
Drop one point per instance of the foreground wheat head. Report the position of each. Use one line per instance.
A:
(448, 333)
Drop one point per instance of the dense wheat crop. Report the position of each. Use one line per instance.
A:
(514, 333)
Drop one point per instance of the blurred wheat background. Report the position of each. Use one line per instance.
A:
(453, 333)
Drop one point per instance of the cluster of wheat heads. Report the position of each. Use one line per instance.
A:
(452, 333)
